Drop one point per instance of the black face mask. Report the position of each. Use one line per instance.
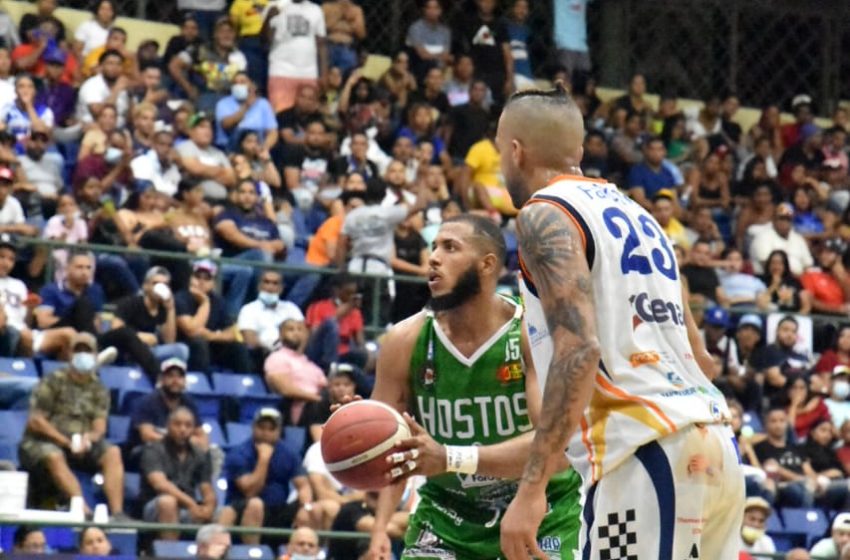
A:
(467, 287)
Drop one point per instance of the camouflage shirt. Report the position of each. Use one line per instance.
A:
(69, 405)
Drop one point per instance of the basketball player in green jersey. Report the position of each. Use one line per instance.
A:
(461, 367)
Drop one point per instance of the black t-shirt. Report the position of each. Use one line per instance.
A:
(32, 21)
(186, 304)
(314, 164)
(731, 129)
(152, 409)
(346, 520)
(790, 457)
(410, 298)
(316, 413)
(440, 102)
(469, 125)
(132, 311)
(702, 280)
(483, 42)
(297, 121)
(343, 165)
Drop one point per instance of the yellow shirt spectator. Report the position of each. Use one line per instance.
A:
(484, 161)
(247, 16)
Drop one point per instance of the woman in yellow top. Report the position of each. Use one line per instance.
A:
(247, 16)
(482, 183)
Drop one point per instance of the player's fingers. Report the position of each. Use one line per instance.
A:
(414, 426)
(396, 458)
(404, 470)
(536, 552)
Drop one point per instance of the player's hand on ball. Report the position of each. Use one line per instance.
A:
(347, 399)
(380, 547)
(520, 524)
(417, 455)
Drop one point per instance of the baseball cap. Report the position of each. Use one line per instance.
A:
(836, 245)
(841, 521)
(205, 265)
(750, 320)
(341, 370)
(198, 118)
(173, 363)
(784, 210)
(840, 370)
(716, 316)
(801, 99)
(84, 339)
(664, 193)
(7, 175)
(756, 502)
(8, 241)
(268, 413)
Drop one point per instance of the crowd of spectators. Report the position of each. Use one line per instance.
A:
(257, 133)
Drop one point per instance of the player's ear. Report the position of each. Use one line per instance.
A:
(489, 264)
(517, 153)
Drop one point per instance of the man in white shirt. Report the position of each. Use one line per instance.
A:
(833, 545)
(780, 235)
(42, 169)
(12, 218)
(157, 166)
(108, 87)
(298, 53)
(259, 321)
(202, 160)
(753, 537)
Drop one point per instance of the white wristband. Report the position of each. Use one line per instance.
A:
(462, 459)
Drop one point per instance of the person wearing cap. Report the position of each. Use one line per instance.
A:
(664, 208)
(66, 428)
(206, 326)
(202, 160)
(56, 92)
(753, 537)
(720, 346)
(748, 337)
(107, 87)
(829, 282)
(177, 477)
(150, 413)
(801, 107)
(780, 235)
(831, 547)
(157, 166)
(259, 473)
(651, 175)
(806, 152)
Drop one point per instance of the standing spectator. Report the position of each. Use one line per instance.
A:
(701, 274)
(150, 413)
(151, 314)
(345, 26)
(519, 34)
(260, 320)
(336, 325)
(244, 110)
(107, 87)
(829, 284)
(429, 40)
(780, 235)
(204, 72)
(174, 474)
(93, 33)
(247, 16)
(571, 36)
(485, 39)
(66, 428)
(753, 537)
(298, 53)
(786, 292)
(833, 545)
(204, 161)
(205, 324)
(290, 373)
(785, 462)
(207, 14)
(651, 175)
(259, 474)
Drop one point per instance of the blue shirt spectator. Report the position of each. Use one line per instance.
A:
(518, 35)
(243, 227)
(61, 298)
(651, 175)
(244, 110)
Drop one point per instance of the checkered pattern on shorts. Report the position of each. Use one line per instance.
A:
(618, 536)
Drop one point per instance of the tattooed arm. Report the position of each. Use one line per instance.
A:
(553, 253)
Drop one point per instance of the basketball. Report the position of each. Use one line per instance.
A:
(356, 440)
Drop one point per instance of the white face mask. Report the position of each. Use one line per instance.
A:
(239, 91)
(113, 155)
(83, 362)
(297, 556)
(751, 534)
(840, 390)
(268, 298)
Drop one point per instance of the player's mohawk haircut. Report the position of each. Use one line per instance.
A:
(557, 95)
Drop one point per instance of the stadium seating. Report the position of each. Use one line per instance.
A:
(13, 422)
(126, 384)
(812, 523)
(246, 390)
(293, 438)
(49, 366)
(208, 403)
(215, 433)
(174, 549)
(117, 428)
(250, 552)
(237, 432)
(20, 367)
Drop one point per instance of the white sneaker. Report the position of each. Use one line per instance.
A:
(107, 356)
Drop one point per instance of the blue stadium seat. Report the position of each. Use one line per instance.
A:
(752, 420)
(215, 433)
(132, 486)
(237, 432)
(249, 405)
(49, 366)
(238, 385)
(117, 428)
(209, 406)
(220, 489)
(13, 422)
(174, 549)
(197, 383)
(20, 367)
(774, 524)
(124, 542)
(250, 552)
(810, 522)
(127, 383)
(293, 438)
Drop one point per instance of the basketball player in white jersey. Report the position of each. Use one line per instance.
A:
(609, 334)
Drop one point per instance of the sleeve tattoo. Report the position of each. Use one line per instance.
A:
(553, 254)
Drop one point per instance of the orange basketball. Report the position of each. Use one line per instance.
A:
(356, 441)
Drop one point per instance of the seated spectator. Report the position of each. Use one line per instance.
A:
(243, 231)
(306, 168)
(779, 235)
(144, 124)
(149, 419)
(296, 57)
(259, 474)
(176, 477)
(838, 354)
(811, 220)
(157, 166)
(94, 542)
(244, 109)
(107, 87)
(96, 139)
(43, 170)
(595, 162)
(262, 168)
(200, 159)
(421, 126)
(336, 325)
(205, 71)
(260, 320)
(151, 314)
(470, 122)
(357, 161)
(111, 168)
(12, 218)
(150, 90)
(835, 543)
(342, 383)
(786, 292)
(325, 486)
(45, 10)
(786, 463)
(39, 46)
(431, 94)
(206, 326)
(66, 429)
(746, 387)
(804, 404)
(828, 283)
(213, 542)
(757, 211)
(798, 554)
(663, 210)
(25, 115)
(56, 93)
(782, 360)
(651, 175)
(458, 86)
(701, 274)
(360, 516)
(839, 390)
(832, 488)
(738, 287)
(304, 543)
(29, 540)
(720, 346)
(116, 40)
(702, 227)
(16, 338)
(292, 122)
(753, 537)
(290, 373)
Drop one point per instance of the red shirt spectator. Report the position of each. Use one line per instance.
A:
(838, 355)
(350, 324)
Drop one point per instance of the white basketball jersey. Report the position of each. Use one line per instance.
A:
(648, 385)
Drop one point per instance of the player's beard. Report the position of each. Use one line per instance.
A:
(468, 286)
